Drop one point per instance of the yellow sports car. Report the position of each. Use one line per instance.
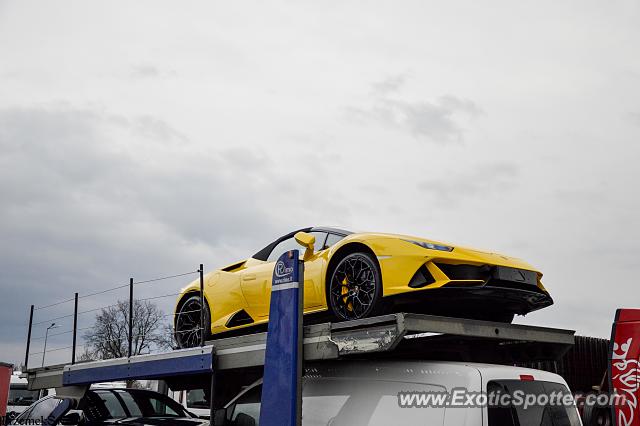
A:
(354, 275)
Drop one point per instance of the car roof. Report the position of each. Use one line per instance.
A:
(412, 369)
(265, 252)
(332, 230)
(128, 390)
(415, 371)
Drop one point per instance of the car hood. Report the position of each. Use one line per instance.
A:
(461, 252)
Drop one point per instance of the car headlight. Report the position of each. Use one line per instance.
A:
(430, 246)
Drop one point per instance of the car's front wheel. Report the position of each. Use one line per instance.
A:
(355, 287)
(188, 331)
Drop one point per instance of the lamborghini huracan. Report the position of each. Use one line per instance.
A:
(351, 275)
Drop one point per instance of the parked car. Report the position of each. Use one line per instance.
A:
(368, 393)
(112, 407)
(356, 275)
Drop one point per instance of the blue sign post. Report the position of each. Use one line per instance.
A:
(282, 386)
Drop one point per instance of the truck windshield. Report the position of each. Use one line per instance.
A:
(529, 403)
(19, 395)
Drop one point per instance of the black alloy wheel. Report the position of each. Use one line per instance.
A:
(355, 287)
(187, 325)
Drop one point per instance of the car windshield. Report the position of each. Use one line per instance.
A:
(118, 404)
(19, 395)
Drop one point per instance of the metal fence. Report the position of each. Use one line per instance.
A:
(583, 366)
(73, 311)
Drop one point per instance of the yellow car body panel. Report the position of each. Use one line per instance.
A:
(246, 286)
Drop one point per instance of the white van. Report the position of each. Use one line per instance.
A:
(382, 393)
(195, 401)
(20, 398)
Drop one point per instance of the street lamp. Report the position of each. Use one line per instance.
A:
(46, 335)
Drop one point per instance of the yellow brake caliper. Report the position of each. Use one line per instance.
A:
(345, 292)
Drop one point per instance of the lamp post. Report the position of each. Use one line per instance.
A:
(46, 336)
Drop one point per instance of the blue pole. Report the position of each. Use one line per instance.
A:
(282, 386)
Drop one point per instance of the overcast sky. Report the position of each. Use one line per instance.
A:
(143, 138)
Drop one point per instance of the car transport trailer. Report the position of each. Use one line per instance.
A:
(232, 363)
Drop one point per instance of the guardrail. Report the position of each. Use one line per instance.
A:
(69, 312)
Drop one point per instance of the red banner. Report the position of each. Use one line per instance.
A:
(5, 381)
(624, 366)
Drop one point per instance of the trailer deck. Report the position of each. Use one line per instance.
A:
(400, 335)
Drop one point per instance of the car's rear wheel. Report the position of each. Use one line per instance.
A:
(187, 324)
(355, 287)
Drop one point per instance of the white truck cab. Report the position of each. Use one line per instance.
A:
(20, 398)
(376, 393)
(195, 401)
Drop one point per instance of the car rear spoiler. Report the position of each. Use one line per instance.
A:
(624, 368)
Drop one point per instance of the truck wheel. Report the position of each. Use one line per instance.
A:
(354, 288)
(187, 322)
(596, 415)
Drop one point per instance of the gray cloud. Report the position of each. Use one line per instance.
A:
(82, 211)
(149, 71)
(435, 121)
(143, 71)
(389, 85)
(480, 180)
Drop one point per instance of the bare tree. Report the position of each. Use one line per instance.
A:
(167, 337)
(109, 338)
(87, 355)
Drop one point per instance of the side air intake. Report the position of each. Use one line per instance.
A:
(239, 318)
(421, 278)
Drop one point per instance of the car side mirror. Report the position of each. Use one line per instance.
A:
(307, 241)
(70, 419)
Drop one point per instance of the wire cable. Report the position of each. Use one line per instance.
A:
(165, 278)
(103, 291)
(52, 319)
(51, 350)
(53, 304)
(158, 297)
(115, 288)
(97, 309)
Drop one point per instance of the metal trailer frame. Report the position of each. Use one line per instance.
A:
(401, 335)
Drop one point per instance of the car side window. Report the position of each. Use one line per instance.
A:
(320, 239)
(112, 404)
(131, 404)
(162, 408)
(284, 246)
(332, 239)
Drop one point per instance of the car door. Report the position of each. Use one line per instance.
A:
(256, 279)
